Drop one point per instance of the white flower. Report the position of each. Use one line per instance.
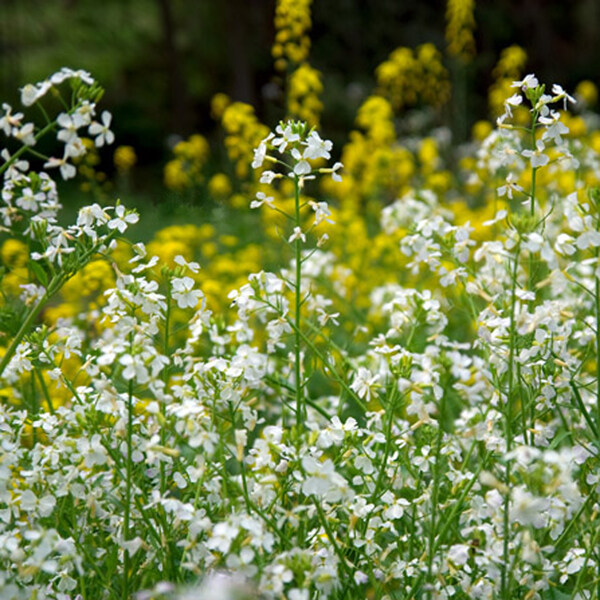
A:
(184, 292)
(316, 147)
(75, 148)
(334, 171)
(67, 170)
(529, 82)
(458, 554)
(92, 215)
(537, 156)
(222, 536)
(302, 167)
(70, 125)
(30, 502)
(260, 153)
(510, 187)
(560, 94)
(30, 93)
(323, 480)
(194, 267)
(25, 134)
(29, 201)
(297, 235)
(364, 464)
(298, 594)
(364, 383)
(133, 545)
(9, 121)
(92, 450)
(513, 101)
(102, 131)
(262, 198)
(527, 509)
(68, 73)
(121, 220)
(286, 136)
(134, 368)
(322, 212)
(268, 177)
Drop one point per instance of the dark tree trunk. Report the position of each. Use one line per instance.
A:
(177, 97)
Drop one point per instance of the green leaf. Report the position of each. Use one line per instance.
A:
(39, 272)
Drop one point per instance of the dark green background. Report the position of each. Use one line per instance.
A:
(162, 60)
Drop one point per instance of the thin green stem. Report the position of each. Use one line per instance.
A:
(435, 495)
(297, 319)
(24, 148)
(597, 311)
(25, 326)
(165, 375)
(505, 577)
(44, 389)
(533, 169)
(532, 197)
(128, 474)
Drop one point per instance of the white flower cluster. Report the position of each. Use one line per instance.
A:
(439, 454)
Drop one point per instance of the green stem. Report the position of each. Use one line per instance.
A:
(128, 466)
(388, 444)
(435, 495)
(25, 326)
(533, 169)
(44, 389)
(41, 133)
(341, 556)
(165, 374)
(532, 197)
(56, 283)
(505, 574)
(597, 310)
(297, 322)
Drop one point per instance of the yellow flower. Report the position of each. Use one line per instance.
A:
(428, 155)
(206, 231)
(186, 169)
(481, 130)
(243, 133)
(219, 186)
(14, 253)
(587, 93)
(218, 105)
(292, 22)
(460, 23)
(175, 176)
(408, 77)
(509, 68)
(304, 89)
(12, 281)
(167, 251)
(595, 141)
(124, 158)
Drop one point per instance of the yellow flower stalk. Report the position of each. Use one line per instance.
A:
(460, 23)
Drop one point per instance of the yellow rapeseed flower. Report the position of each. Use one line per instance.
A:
(510, 67)
(481, 130)
(219, 186)
(587, 93)
(460, 23)
(124, 158)
(304, 90)
(14, 253)
(292, 22)
(408, 77)
(243, 133)
(218, 104)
